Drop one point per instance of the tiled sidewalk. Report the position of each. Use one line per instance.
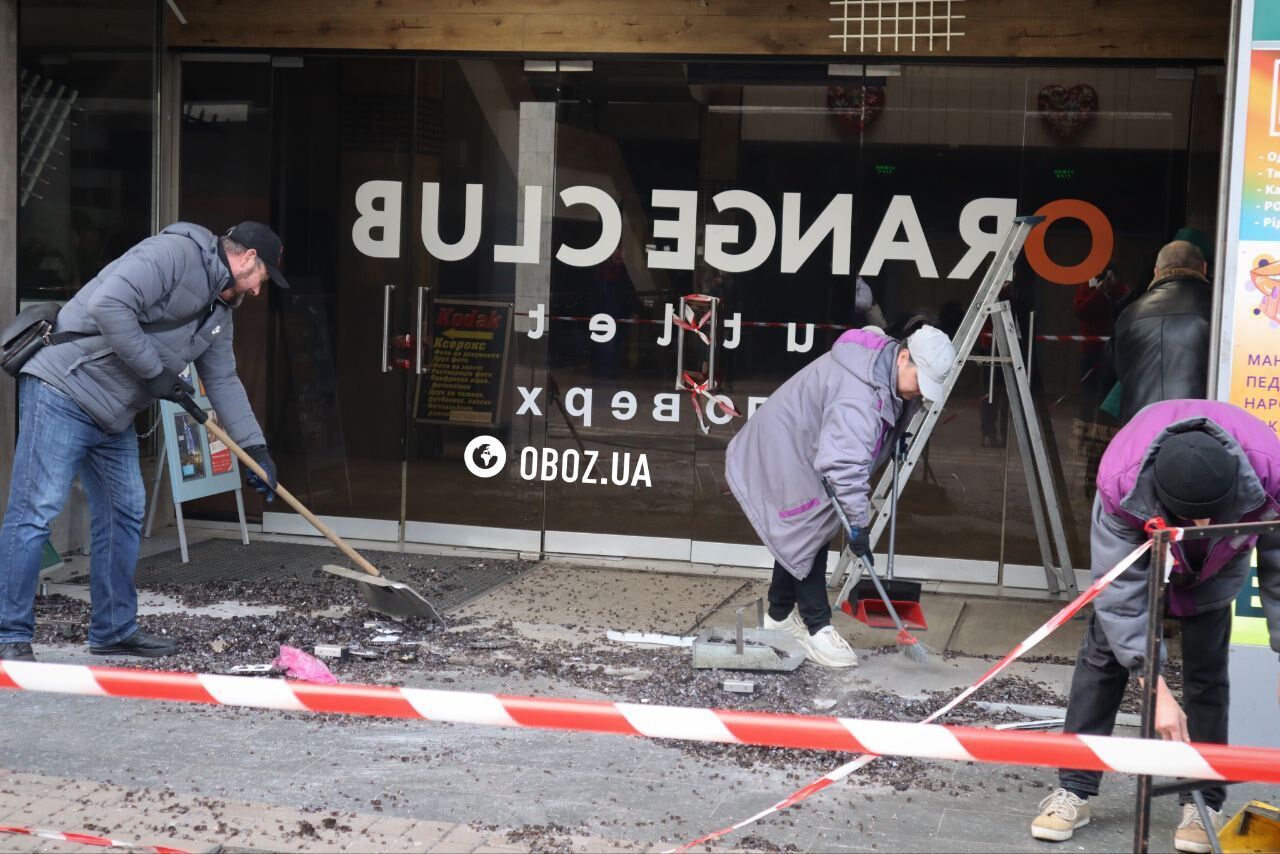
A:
(195, 823)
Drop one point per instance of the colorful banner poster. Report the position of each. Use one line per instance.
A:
(463, 383)
(1249, 358)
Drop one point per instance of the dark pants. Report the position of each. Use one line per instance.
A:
(1099, 683)
(808, 593)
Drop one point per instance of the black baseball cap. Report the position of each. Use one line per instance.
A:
(255, 235)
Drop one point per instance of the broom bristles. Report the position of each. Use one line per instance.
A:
(912, 647)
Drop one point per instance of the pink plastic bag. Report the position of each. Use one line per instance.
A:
(298, 665)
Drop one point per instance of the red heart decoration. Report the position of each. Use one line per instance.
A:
(856, 106)
(1064, 110)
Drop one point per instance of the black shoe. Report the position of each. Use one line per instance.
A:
(20, 651)
(138, 643)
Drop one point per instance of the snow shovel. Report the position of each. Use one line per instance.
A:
(867, 605)
(383, 595)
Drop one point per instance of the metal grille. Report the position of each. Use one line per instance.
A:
(877, 25)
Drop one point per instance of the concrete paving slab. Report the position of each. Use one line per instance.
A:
(506, 779)
(993, 626)
(606, 599)
(941, 614)
(894, 673)
(906, 838)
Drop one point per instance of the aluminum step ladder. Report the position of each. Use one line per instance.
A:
(1031, 442)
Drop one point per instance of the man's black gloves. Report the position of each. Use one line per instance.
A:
(860, 544)
(167, 385)
(262, 458)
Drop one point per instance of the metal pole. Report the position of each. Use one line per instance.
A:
(1224, 200)
(1150, 679)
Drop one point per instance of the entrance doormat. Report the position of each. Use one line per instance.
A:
(289, 575)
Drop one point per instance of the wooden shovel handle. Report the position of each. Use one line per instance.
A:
(248, 461)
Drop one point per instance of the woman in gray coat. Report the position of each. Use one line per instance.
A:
(837, 419)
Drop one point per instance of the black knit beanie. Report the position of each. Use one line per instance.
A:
(1195, 475)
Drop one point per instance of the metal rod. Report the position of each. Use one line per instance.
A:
(417, 332)
(1031, 342)
(1195, 532)
(711, 348)
(46, 108)
(1197, 797)
(738, 644)
(1150, 680)
(1182, 787)
(387, 290)
(1042, 491)
(899, 447)
(679, 333)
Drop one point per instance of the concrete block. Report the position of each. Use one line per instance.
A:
(993, 626)
(607, 599)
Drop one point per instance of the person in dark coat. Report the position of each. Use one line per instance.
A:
(1162, 338)
(1191, 462)
(166, 302)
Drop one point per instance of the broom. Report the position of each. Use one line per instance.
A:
(910, 644)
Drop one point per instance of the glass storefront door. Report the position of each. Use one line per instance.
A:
(337, 419)
(485, 256)
(398, 345)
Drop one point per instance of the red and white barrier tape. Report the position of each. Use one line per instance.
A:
(927, 741)
(1031, 640)
(699, 389)
(693, 321)
(87, 839)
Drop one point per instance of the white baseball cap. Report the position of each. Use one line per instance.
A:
(934, 356)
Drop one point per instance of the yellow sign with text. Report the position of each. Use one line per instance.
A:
(1249, 624)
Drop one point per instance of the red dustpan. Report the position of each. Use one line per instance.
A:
(866, 606)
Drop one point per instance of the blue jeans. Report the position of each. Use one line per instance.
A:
(57, 441)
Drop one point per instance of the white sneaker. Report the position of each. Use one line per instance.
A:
(829, 649)
(792, 625)
(1192, 836)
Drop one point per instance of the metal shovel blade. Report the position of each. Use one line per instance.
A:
(388, 597)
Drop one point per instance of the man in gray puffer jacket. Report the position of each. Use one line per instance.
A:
(132, 330)
(838, 419)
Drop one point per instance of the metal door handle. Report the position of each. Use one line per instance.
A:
(417, 332)
(387, 290)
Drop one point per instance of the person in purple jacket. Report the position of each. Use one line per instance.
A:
(837, 419)
(1192, 462)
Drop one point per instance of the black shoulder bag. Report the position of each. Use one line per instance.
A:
(32, 329)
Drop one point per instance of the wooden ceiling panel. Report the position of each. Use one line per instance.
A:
(1062, 29)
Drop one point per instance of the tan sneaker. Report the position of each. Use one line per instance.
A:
(829, 649)
(1191, 834)
(1060, 814)
(792, 625)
